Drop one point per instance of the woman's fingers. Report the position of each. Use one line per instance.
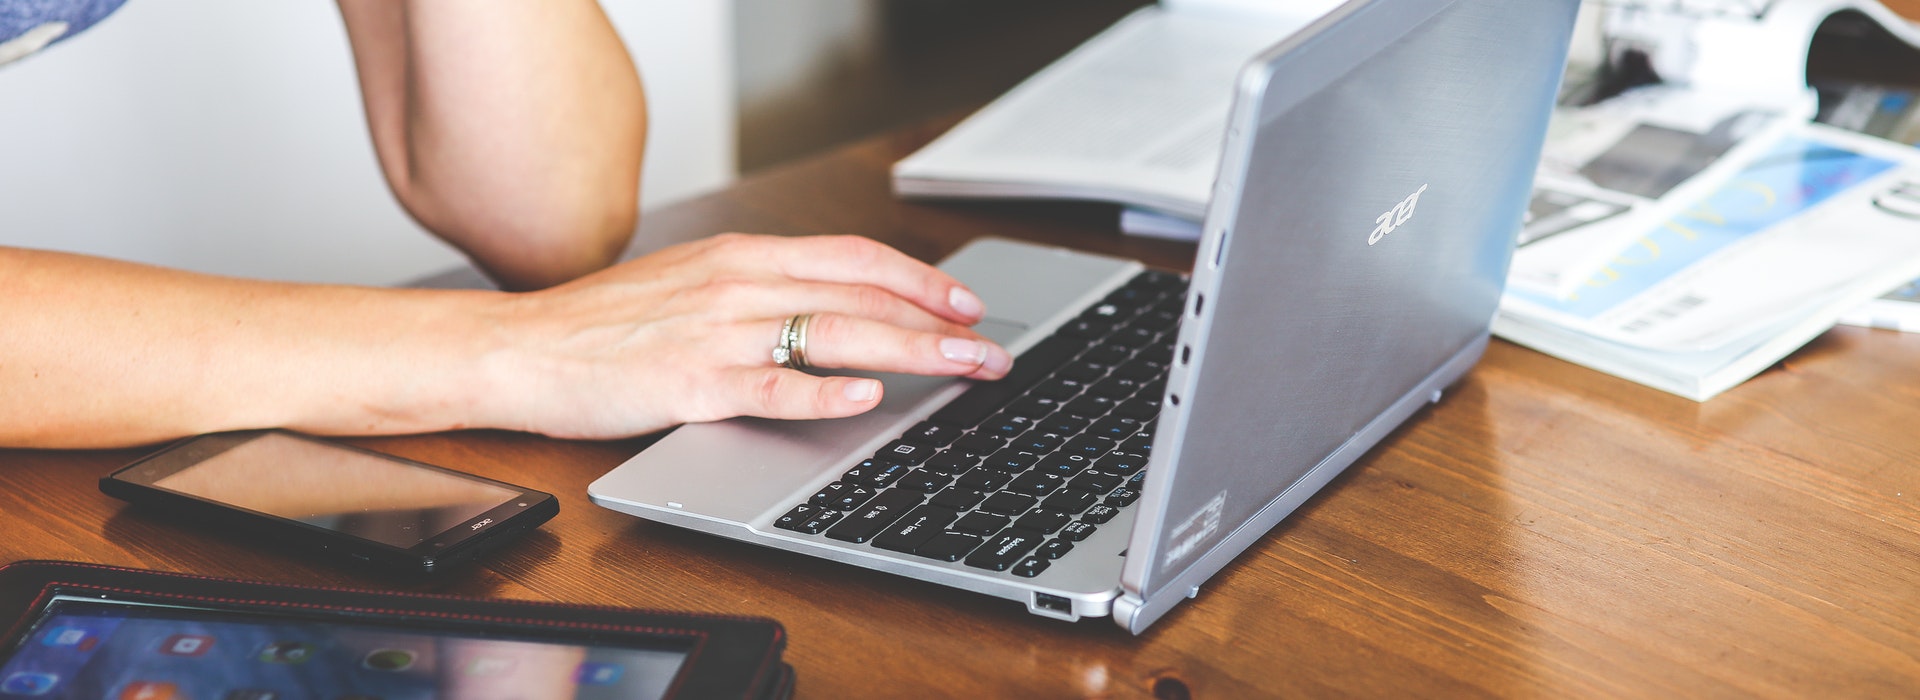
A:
(783, 393)
(789, 298)
(853, 260)
(847, 342)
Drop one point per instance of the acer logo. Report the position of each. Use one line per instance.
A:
(1395, 217)
(481, 524)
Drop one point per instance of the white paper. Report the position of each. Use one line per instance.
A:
(1827, 220)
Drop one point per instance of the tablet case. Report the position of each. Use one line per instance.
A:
(731, 657)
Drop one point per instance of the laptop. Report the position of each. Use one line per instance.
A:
(1377, 165)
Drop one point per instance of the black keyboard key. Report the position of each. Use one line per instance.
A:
(840, 495)
(949, 546)
(1005, 426)
(981, 524)
(1007, 504)
(1037, 442)
(1121, 498)
(1110, 313)
(1120, 464)
(1076, 531)
(1070, 501)
(977, 445)
(875, 516)
(1142, 369)
(1035, 407)
(1011, 460)
(1132, 296)
(1086, 328)
(1134, 337)
(1165, 281)
(1094, 483)
(951, 463)
(1088, 446)
(1059, 388)
(959, 498)
(1106, 356)
(986, 397)
(933, 434)
(825, 519)
(1160, 318)
(1054, 549)
(1085, 371)
(915, 529)
(1002, 551)
(923, 481)
(1063, 464)
(1140, 407)
(1036, 483)
(1030, 567)
(1115, 427)
(1138, 444)
(874, 475)
(796, 517)
(1099, 515)
(903, 452)
(1089, 406)
(1042, 521)
(1063, 424)
(984, 479)
(1115, 387)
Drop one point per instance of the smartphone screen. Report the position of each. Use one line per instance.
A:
(336, 498)
(86, 648)
(340, 489)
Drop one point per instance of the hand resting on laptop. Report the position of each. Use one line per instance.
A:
(105, 353)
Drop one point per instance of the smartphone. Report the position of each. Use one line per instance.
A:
(363, 505)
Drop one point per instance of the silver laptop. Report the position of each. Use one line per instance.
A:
(1377, 164)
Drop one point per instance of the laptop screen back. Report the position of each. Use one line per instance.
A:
(1376, 172)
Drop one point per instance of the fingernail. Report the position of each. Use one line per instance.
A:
(964, 302)
(972, 352)
(861, 390)
(997, 361)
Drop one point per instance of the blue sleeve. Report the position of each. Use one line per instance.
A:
(19, 17)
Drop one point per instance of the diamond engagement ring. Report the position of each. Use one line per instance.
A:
(791, 351)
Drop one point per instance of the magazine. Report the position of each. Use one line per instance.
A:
(1821, 223)
(1892, 113)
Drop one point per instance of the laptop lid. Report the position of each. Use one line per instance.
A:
(1377, 165)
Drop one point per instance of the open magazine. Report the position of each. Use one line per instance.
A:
(1892, 113)
(1807, 232)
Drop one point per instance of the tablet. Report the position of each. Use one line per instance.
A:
(86, 631)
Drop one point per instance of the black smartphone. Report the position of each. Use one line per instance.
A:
(336, 498)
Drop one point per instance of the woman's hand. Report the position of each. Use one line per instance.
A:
(687, 335)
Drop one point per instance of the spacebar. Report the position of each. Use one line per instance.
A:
(986, 397)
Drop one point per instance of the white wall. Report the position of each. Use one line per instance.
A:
(226, 136)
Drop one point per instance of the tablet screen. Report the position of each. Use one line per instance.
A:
(86, 648)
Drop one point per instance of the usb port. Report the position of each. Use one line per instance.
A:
(1057, 606)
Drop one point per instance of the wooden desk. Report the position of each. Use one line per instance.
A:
(1545, 531)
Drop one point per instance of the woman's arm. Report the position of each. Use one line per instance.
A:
(99, 353)
(512, 129)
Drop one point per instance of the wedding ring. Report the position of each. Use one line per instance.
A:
(791, 351)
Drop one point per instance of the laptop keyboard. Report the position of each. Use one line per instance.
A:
(1009, 475)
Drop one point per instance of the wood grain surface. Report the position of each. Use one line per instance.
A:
(1545, 531)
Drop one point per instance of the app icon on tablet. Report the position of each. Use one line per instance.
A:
(186, 645)
(287, 653)
(29, 683)
(388, 660)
